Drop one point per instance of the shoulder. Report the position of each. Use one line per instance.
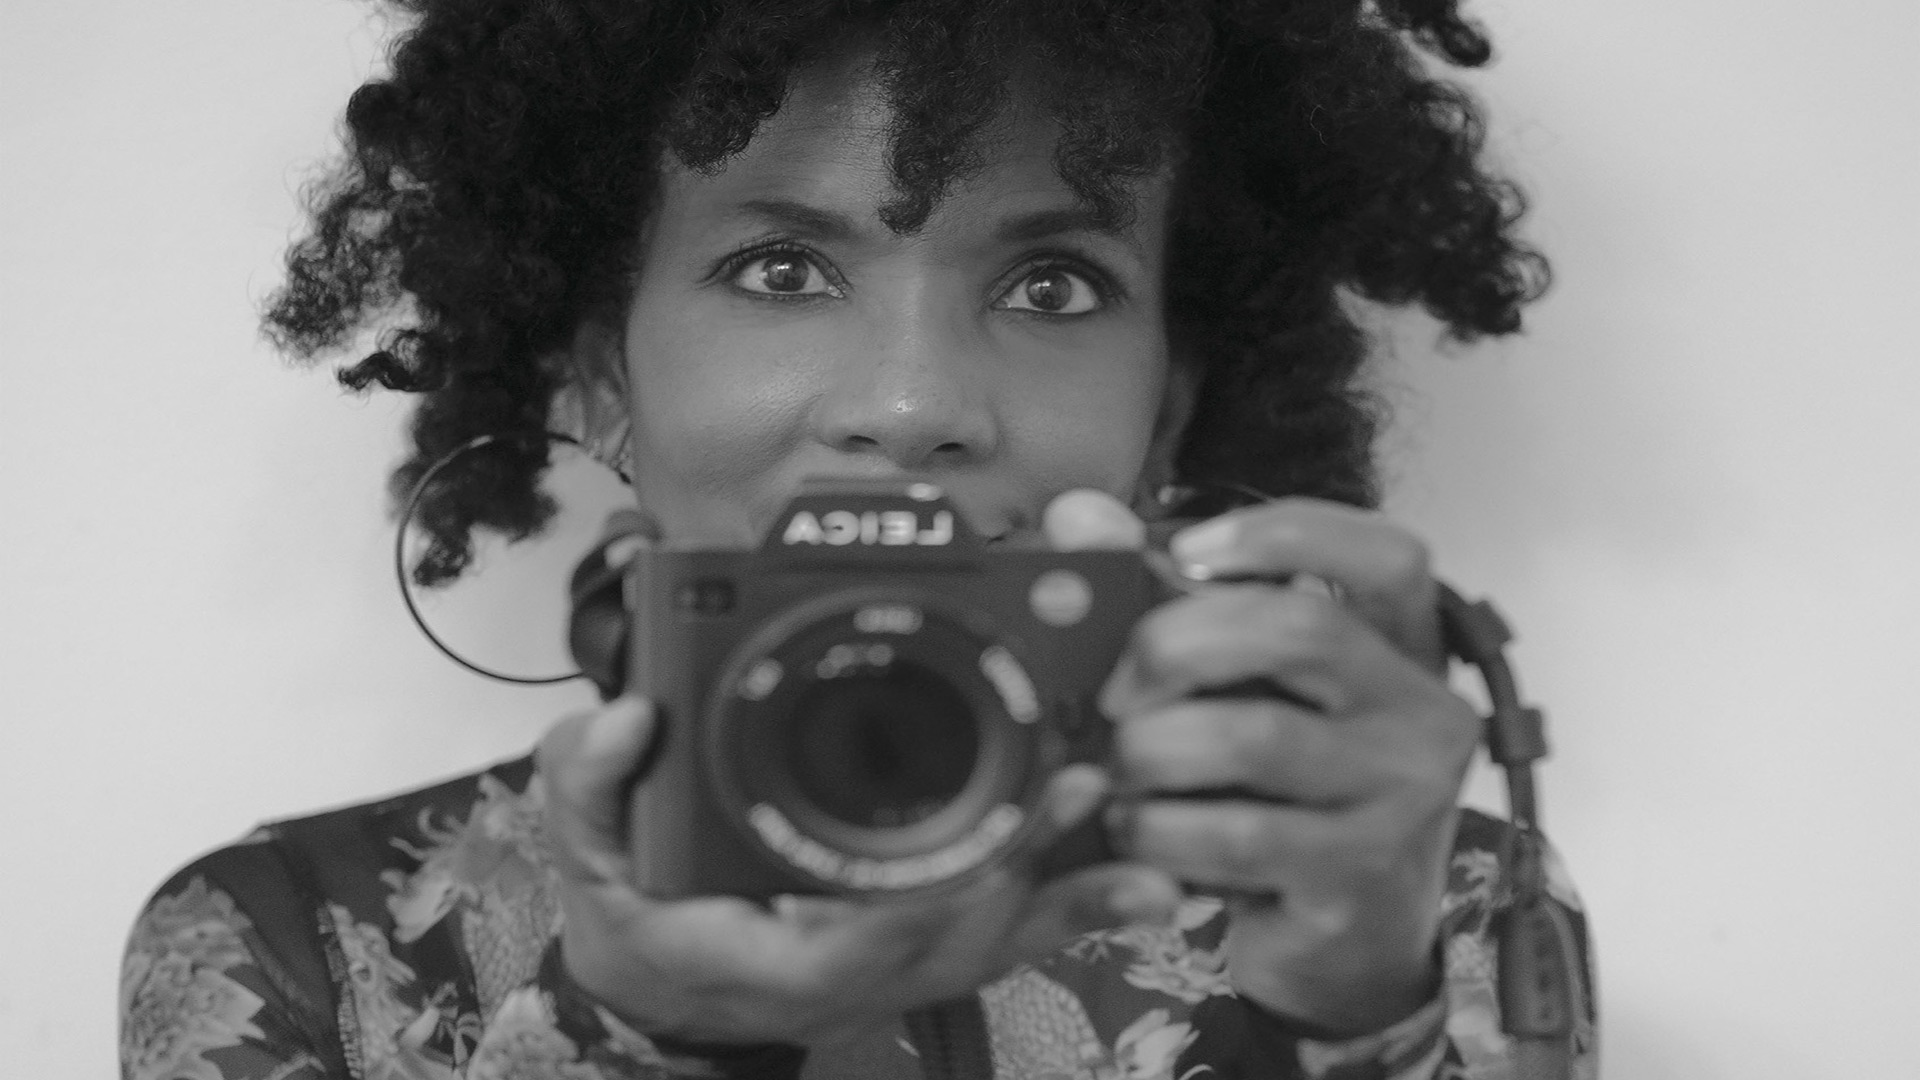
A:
(339, 855)
(280, 943)
(349, 855)
(398, 862)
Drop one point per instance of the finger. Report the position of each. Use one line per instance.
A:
(1085, 519)
(977, 929)
(722, 969)
(1070, 797)
(800, 948)
(1253, 746)
(586, 763)
(919, 948)
(1094, 898)
(1253, 847)
(939, 947)
(1384, 572)
(1308, 645)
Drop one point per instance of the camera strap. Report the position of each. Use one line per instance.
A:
(1539, 976)
(951, 1040)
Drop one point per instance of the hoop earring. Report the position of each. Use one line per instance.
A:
(411, 508)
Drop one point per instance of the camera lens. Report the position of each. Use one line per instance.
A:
(875, 740)
(882, 746)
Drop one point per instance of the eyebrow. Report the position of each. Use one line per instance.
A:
(810, 220)
(1022, 228)
(1044, 223)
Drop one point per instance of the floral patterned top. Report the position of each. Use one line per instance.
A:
(410, 939)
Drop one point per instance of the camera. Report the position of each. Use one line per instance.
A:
(870, 702)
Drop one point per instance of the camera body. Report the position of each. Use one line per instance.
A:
(869, 703)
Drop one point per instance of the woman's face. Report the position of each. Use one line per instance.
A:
(1011, 349)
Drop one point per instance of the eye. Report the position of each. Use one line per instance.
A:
(1052, 290)
(783, 273)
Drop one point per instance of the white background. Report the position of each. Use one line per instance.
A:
(1691, 486)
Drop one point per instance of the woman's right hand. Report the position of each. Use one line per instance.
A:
(728, 970)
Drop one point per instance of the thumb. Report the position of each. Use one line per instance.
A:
(1096, 898)
(1085, 519)
(588, 764)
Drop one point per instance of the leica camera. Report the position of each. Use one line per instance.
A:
(870, 702)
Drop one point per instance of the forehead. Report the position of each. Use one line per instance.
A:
(831, 143)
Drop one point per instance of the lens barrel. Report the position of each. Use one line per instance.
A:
(876, 741)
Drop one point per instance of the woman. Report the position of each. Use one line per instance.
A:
(1060, 258)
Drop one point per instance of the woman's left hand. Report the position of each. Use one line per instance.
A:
(1327, 816)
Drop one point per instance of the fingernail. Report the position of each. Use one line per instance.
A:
(626, 531)
(1084, 519)
(625, 527)
(1076, 790)
(620, 551)
(616, 728)
(1204, 543)
(1145, 899)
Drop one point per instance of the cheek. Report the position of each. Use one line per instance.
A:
(1093, 428)
(709, 413)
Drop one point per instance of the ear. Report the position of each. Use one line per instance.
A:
(591, 404)
(1159, 471)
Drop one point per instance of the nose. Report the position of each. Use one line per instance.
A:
(918, 400)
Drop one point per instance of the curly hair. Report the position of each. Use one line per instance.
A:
(491, 192)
